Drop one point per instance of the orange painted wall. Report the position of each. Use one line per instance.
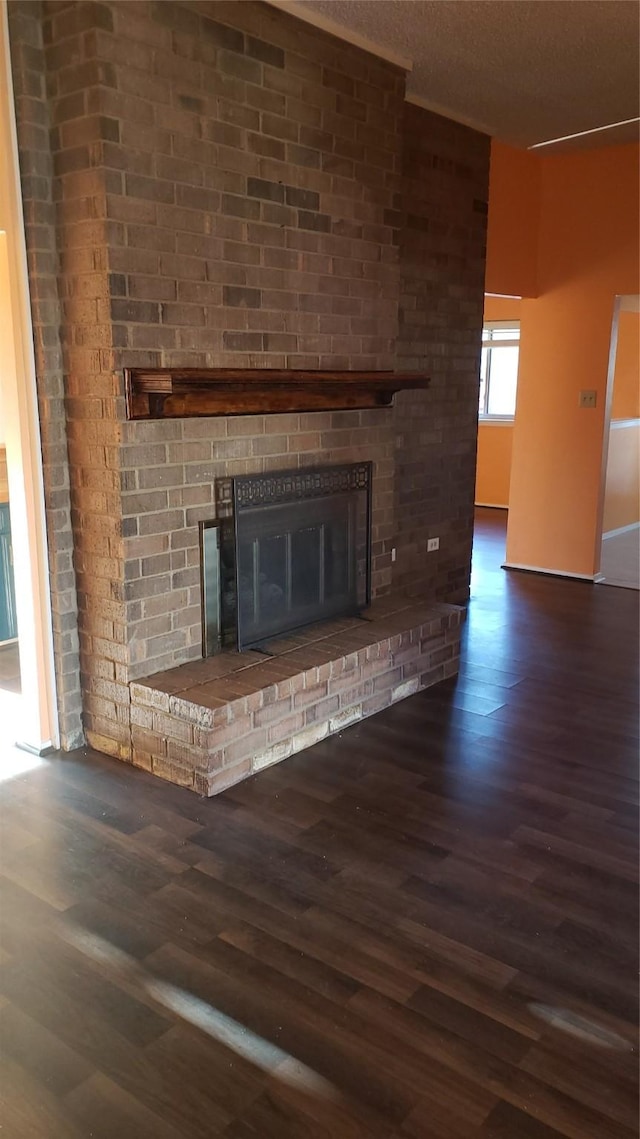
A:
(512, 232)
(495, 440)
(501, 308)
(588, 244)
(626, 385)
(493, 471)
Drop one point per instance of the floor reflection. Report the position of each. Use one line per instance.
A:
(10, 667)
(13, 760)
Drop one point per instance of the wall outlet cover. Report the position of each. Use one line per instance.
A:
(433, 544)
(588, 398)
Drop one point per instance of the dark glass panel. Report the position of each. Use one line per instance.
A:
(306, 567)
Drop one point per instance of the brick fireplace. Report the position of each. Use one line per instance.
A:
(212, 184)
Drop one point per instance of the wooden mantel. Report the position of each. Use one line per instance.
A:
(179, 393)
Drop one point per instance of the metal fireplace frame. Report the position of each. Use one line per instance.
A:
(280, 488)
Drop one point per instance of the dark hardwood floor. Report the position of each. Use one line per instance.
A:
(424, 928)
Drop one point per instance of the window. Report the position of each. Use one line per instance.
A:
(499, 369)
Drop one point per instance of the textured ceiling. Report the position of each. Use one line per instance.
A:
(524, 71)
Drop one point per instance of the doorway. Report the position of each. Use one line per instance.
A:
(10, 680)
(31, 719)
(620, 498)
(496, 416)
(27, 709)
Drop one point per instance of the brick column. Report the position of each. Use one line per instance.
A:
(79, 82)
(442, 220)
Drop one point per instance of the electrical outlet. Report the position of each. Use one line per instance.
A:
(433, 544)
(393, 554)
(588, 398)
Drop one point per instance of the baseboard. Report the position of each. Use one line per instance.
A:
(493, 505)
(620, 584)
(621, 530)
(590, 577)
(42, 751)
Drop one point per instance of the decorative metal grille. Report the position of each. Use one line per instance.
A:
(280, 487)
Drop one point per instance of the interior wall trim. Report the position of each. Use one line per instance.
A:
(621, 530)
(325, 24)
(549, 572)
(39, 722)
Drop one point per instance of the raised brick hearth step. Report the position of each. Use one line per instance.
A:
(211, 723)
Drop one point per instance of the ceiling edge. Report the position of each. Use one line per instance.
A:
(505, 296)
(447, 113)
(583, 134)
(299, 9)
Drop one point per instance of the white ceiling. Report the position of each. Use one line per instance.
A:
(524, 71)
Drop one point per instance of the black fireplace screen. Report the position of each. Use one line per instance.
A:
(301, 550)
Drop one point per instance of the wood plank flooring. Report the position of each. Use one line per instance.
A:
(424, 928)
(620, 559)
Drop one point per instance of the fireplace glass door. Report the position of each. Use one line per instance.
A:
(302, 549)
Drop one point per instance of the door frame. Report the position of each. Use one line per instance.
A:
(39, 720)
(623, 302)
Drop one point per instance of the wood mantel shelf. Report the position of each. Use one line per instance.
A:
(180, 393)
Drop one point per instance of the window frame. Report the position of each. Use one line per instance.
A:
(493, 326)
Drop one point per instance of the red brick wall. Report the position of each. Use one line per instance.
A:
(233, 235)
(235, 187)
(445, 171)
(253, 230)
(258, 169)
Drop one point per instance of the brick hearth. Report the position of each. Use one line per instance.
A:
(210, 724)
